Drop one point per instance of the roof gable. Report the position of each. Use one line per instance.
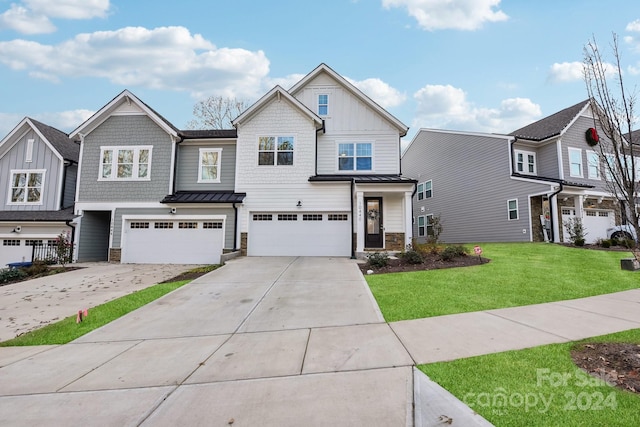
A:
(324, 68)
(553, 125)
(58, 142)
(277, 92)
(119, 104)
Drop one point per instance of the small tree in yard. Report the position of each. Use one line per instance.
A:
(575, 230)
(63, 249)
(614, 112)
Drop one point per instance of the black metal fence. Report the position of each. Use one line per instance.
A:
(52, 254)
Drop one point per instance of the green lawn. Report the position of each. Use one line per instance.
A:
(538, 387)
(518, 274)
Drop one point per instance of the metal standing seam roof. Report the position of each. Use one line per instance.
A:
(364, 179)
(204, 197)
(551, 125)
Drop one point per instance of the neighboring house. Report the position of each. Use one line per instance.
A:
(38, 169)
(517, 187)
(320, 166)
(151, 193)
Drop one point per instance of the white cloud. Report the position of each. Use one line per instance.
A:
(447, 107)
(25, 21)
(380, 92)
(65, 121)
(70, 9)
(566, 71)
(8, 121)
(451, 14)
(168, 58)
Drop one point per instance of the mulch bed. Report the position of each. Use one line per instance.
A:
(616, 363)
(50, 271)
(431, 262)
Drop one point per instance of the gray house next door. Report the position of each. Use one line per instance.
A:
(93, 244)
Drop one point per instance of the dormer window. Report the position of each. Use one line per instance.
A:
(525, 162)
(323, 105)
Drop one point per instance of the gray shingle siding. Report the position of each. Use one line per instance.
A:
(93, 239)
(125, 130)
(471, 187)
(187, 175)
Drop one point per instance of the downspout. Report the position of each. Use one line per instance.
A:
(175, 164)
(323, 131)
(551, 214)
(235, 227)
(513, 165)
(353, 243)
(73, 236)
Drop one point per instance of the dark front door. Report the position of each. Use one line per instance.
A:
(373, 231)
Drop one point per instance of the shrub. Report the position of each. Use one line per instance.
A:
(411, 256)
(575, 230)
(9, 274)
(378, 259)
(38, 267)
(605, 243)
(627, 243)
(451, 252)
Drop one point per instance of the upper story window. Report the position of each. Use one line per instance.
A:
(525, 162)
(209, 165)
(420, 191)
(593, 165)
(355, 156)
(26, 187)
(125, 163)
(323, 105)
(275, 150)
(575, 162)
(428, 189)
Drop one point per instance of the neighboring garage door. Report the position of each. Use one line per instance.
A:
(164, 241)
(595, 223)
(299, 234)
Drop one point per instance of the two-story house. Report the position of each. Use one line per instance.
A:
(38, 168)
(516, 187)
(150, 193)
(320, 166)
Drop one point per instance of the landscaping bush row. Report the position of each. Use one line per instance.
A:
(415, 254)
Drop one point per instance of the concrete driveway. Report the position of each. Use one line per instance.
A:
(261, 341)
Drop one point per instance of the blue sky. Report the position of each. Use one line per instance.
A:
(474, 65)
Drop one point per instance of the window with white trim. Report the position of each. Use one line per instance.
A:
(26, 187)
(593, 165)
(421, 226)
(125, 163)
(525, 162)
(421, 191)
(575, 162)
(323, 105)
(512, 209)
(428, 189)
(610, 166)
(355, 156)
(209, 165)
(275, 150)
(428, 219)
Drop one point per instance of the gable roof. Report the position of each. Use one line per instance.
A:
(552, 125)
(278, 92)
(59, 142)
(324, 68)
(105, 112)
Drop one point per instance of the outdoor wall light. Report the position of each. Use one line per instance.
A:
(299, 204)
(17, 229)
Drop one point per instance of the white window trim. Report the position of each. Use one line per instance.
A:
(114, 164)
(354, 170)
(424, 226)
(428, 222)
(579, 151)
(420, 192)
(275, 150)
(525, 162)
(27, 171)
(516, 209)
(218, 165)
(598, 168)
(327, 104)
(430, 189)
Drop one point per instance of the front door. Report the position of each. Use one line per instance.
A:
(373, 233)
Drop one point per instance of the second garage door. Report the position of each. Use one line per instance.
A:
(299, 234)
(181, 241)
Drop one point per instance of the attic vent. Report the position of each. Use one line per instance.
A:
(28, 156)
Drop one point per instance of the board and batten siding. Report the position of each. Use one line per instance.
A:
(125, 130)
(471, 186)
(181, 212)
(188, 168)
(43, 158)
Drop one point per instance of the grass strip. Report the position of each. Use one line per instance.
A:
(68, 330)
(518, 274)
(540, 386)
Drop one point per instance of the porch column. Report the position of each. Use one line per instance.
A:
(359, 221)
(408, 219)
(556, 222)
(578, 202)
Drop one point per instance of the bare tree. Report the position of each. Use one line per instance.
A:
(216, 112)
(613, 106)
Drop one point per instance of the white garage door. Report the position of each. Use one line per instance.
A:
(299, 234)
(182, 241)
(595, 223)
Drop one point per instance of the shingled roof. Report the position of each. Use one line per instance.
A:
(68, 149)
(550, 126)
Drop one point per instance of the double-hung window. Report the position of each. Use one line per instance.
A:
(355, 156)
(593, 165)
(209, 165)
(275, 150)
(132, 163)
(421, 226)
(26, 186)
(428, 189)
(525, 162)
(323, 105)
(512, 209)
(421, 191)
(575, 162)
